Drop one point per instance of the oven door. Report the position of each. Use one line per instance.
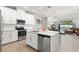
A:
(21, 33)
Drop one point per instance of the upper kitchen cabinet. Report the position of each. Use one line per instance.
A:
(29, 19)
(19, 14)
(23, 15)
(8, 15)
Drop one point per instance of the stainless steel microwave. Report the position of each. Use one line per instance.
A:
(21, 22)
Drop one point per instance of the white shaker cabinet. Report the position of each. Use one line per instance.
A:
(5, 37)
(35, 41)
(28, 39)
(32, 40)
(23, 15)
(9, 36)
(29, 19)
(19, 14)
(14, 36)
(8, 15)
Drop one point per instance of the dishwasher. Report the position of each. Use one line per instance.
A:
(43, 43)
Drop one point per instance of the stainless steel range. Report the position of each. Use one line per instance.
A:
(21, 29)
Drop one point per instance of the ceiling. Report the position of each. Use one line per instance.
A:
(56, 11)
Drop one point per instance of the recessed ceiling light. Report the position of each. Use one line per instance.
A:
(40, 7)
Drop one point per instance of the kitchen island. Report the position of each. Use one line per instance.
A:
(46, 41)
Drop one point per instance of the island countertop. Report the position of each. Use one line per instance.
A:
(49, 33)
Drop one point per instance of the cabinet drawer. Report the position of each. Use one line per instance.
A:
(5, 37)
(14, 35)
(9, 36)
(32, 40)
(29, 41)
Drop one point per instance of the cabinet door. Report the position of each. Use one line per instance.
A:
(9, 15)
(10, 36)
(32, 40)
(19, 13)
(14, 36)
(5, 37)
(35, 41)
(2, 38)
(29, 19)
(28, 40)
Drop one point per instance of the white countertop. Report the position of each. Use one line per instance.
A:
(49, 33)
(8, 30)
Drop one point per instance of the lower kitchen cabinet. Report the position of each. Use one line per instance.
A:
(9, 36)
(32, 40)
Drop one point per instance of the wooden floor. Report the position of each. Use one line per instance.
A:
(19, 46)
(69, 43)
